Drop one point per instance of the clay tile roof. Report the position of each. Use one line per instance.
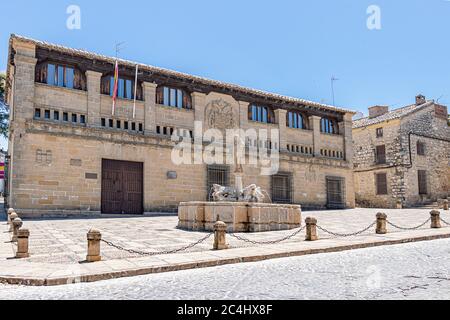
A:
(230, 86)
(391, 115)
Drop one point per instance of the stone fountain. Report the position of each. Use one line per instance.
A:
(242, 209)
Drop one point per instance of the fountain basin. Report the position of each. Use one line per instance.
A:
(239, 216)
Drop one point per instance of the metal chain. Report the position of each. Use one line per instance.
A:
(412, 228)
(267, 242)
(347, 234)
(445, 222)
(143, 253)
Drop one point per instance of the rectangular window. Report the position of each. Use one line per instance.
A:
(217, 174)
(379, 132)
(37, 113)
(51, 74)
(140, 127)
(56, 115)
(381, 154)
(47, 114)
(281, 188)
(133, 126)
(121, 91)
(111, 123)
(125, 125)
(179, 99)
(118, 124)
(173, 98)
(129, 89)
(65, 116)
(74, 118)
(158, 130)
(166, 98)
(420, 148)
(103, 122)
(422, 175)
(82, 119)
(381, 183)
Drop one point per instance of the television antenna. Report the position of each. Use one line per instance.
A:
(333, 79)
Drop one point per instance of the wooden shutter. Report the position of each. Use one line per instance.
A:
(160, 95)
(381, 154)
(381, 184)
(422, 175)
(187, 100)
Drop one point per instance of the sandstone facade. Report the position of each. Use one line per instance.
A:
(55, 166)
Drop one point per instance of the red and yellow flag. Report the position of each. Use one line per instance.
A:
(116, 87)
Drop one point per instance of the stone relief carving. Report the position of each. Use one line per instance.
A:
(219, 115)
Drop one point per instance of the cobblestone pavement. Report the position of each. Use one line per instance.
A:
(64, 241)
(409, 271)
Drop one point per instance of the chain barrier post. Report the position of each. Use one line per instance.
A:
(445, 205)
(22, 244)
(399, 204)
(311, 229)
(94, 237)
(17, 224)
(10, 211)
(381, 223)
(12, 217)
(220, 230)
(435, 219)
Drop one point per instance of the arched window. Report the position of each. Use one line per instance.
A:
(260, 114)
(328, 125)
(173, 97)
(296, 120)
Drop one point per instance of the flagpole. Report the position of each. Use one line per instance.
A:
(135, 91)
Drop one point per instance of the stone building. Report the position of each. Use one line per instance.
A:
(402, 155)
(69, 154)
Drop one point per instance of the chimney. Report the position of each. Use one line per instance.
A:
(377, 111)
(420, 99)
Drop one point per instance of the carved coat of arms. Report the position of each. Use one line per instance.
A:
(219, 115)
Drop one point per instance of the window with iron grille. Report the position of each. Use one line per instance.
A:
(217, 175)
(282, 188)
(420, 148)
(380, 156)
(381, 183)
(335, 192)
(422, 175)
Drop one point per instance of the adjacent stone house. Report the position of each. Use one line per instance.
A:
(402, 155)
(69, 154)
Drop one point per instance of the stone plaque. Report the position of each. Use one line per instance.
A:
(91, 176)
(76, 162)
(219, 115)
(172, 175)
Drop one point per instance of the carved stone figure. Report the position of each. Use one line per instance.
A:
(253, 193)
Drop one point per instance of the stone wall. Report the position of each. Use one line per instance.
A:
(401, 169)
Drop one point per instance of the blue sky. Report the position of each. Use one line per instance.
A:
(287, 47)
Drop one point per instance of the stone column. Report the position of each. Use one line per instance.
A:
(435, 219)
(280, 118)
(243, 114)
(314, 121)
(381, 223)
(220, 230)
(93, 80)
(311, 229)
(199, 105)
(22, 243)
(345, 128)
(94, 237)
(150, 107)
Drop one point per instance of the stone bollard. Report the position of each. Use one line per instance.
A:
(381, 223)
(435, 219)
(220, 231)
(17, 224)
(10, 211)
(311, 229)
(12, 217)
(94, 237)
(399, 204)
(445, 205)
(22, 243)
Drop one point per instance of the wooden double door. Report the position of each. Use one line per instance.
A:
(122, 187)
